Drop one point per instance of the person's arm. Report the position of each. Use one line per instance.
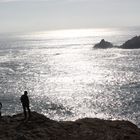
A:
(21, 98)
(0, 105)
(28, 100)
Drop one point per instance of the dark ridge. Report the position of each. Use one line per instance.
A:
(41, 128)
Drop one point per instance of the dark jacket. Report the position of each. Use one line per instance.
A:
(24, 100)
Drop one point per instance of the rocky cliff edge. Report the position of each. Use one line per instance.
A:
(40, 127)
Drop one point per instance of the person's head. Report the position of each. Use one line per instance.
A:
(25, 92)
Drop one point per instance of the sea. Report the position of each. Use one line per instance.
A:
(66, 78)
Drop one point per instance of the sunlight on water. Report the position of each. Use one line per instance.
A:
(73, 33)
(67, 79)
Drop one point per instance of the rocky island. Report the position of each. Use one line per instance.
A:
(133, 43)
(103, 45)
(40, 127)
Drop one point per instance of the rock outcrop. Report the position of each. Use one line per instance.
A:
(133, 43)
(103, 45)
(41, 128)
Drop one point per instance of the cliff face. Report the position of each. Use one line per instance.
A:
(41, 128)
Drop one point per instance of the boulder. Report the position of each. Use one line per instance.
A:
(39, 127)
(103, 45)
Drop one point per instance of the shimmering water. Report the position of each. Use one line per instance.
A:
(67, 79)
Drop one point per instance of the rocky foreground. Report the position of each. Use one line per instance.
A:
(41, 128)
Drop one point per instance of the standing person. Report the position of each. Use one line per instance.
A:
(0, 108)
(25, 104)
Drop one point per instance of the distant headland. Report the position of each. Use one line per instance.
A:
(39, 127)
(133, 43)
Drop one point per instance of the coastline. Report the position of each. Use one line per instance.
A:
(40, 127)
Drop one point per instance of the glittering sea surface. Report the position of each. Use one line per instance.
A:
(66, 78)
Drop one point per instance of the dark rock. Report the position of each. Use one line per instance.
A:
(103, 45)
(41, 128)
(133, 43)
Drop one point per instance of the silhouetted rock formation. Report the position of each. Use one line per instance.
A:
(103, 45)
(133, 43)
(41, 128)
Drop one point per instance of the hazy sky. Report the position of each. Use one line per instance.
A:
(32, 15)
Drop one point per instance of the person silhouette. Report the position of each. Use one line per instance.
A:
(0, 108)
(25, 104)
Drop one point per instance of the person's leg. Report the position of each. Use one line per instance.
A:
(24, 110)
(29, 111)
